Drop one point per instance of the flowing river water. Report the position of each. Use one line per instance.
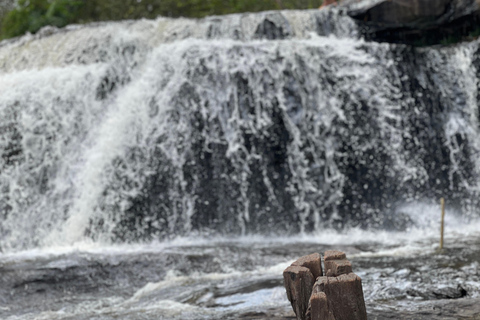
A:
(403, 277)
(173, 168)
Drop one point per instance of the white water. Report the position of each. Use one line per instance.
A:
(91, 115)
(69, 138)
(238, 287)
(173, 168)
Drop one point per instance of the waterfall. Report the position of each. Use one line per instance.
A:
(267, 123)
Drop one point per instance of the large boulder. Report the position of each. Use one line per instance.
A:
(413, 21)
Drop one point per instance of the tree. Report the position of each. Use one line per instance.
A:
(31, 15)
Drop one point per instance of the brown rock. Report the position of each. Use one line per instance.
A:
(334, 255)
(334, 268)
(327, 3)
(299, 284)
(313, 262)
(344, 296)
(318, 309)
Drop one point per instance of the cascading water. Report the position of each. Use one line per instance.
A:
(233, 125)
(122, 144)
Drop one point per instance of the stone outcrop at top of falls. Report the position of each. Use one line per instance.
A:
(415, 21)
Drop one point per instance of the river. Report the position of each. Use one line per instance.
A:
(173, 168)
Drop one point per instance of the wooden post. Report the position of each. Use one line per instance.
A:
(442, 203)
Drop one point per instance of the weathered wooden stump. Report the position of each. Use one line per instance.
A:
(336, 296)
(336, 263)
(299, 284)
(345, 296)
(319, 307)
(312, 262)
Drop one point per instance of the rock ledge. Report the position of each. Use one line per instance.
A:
(415, 21)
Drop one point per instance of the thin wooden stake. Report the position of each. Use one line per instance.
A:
(442, 202)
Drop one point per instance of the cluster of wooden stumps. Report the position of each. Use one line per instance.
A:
(335, 295)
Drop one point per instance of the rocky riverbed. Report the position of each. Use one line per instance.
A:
(441, 309)
(403, 277)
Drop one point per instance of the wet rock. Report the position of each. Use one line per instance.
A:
(414, 13)
(439, 293)
(313, 262)
(467, 309)
(299, 284)
(410, 21)
(274, 27)
(450, 293)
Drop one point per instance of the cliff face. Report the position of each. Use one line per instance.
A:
(415, 21)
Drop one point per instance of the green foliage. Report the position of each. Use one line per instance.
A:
(474, 34)
(31, 15)
(450, 39)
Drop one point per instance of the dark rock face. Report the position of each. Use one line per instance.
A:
(273, 27)
(336, 296)
(260, 137)
(353, 168)
(397, 13)
(415, 21)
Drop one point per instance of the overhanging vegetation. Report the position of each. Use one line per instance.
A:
(31, 15)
